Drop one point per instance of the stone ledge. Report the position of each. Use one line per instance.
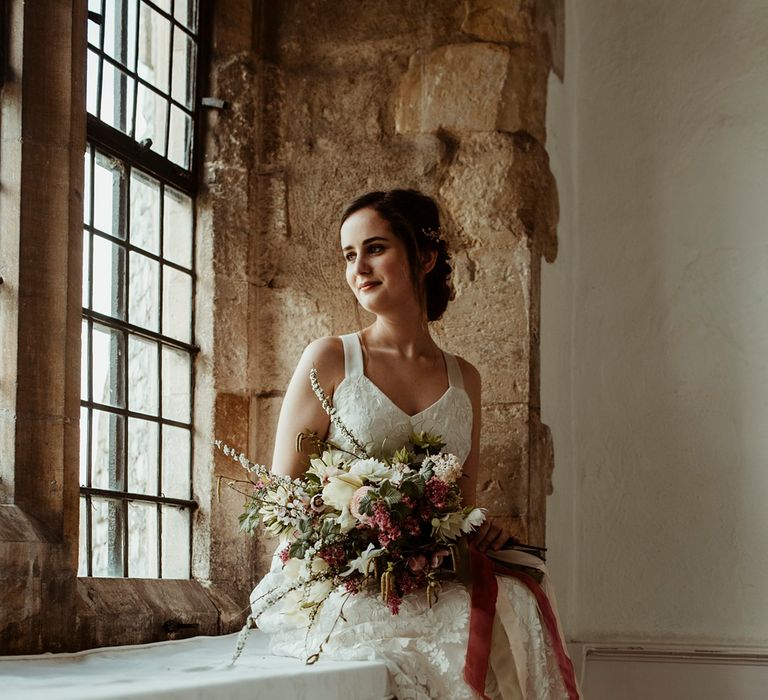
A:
(112, 611)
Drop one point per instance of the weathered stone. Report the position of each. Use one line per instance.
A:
(504, 460)
(498, 187)
(498, 288)
(499, 20)
(472, 87)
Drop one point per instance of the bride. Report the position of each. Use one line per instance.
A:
(387, 381)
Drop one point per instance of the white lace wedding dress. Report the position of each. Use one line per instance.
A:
(424, 648)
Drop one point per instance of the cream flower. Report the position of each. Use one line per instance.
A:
(337, 493)
(371, 470)
(445, 466)
(473, 519)
(292, 568)
(448, 526)
(361, 563)
(327, 464)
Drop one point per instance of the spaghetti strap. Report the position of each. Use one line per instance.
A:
(454, 371)
(353, 355)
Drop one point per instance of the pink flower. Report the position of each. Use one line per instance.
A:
(417, 562)
(393, 602)
(437, 492)
(438, 556)
(354, 505)
(389, 531)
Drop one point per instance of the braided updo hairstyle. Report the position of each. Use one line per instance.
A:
(410, 214)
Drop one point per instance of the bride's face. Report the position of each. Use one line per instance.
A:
(377, 269)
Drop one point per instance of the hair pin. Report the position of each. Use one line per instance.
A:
(433, 234)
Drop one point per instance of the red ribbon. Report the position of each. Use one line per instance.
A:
(484, 592)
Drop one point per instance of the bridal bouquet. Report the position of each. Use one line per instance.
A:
(353, 520)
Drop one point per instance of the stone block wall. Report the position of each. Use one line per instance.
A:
(332, 99)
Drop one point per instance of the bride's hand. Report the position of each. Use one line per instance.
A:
(493, 533)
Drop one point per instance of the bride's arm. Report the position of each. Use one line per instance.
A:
(472, 385)
(301, 410)
(496, 530)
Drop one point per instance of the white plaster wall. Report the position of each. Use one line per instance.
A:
(655, 322)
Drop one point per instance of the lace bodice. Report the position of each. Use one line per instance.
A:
(376, 421)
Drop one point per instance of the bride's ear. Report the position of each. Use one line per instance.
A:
(428, 260)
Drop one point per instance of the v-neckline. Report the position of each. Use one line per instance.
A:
(405, 413)
(381, 391)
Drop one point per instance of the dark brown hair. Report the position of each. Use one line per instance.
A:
(410, 214)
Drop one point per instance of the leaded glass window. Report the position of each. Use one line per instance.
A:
(138, 346)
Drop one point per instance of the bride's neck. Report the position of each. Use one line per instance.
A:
(410, 338)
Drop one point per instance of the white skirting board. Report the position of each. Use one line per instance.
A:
(659, 672)
(189, 669)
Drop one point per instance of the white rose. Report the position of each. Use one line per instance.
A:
(337, 493)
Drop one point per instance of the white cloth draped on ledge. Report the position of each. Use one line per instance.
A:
(191, 669)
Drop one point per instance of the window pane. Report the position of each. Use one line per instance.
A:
(108, 271)
(94, 30)
(142, 456)
(92, 81)
(82, 559)
(142, 375)
(177, 303)
(145, 212)
(175, 542)
(144, 292)
(177, 227)
(84, 393)
(84, 447)
(142, 540)
(151, 115)
(108, 529)
(176, 462)
(116, 98)
(108, 361)
(108, 200)
(186, 12)
(154, 47)
(180, 138)
(108, 436)
(87, 187)
(183, 81)
(120, 31)
(176, 385)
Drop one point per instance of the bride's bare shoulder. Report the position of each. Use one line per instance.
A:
(472, 379)
(327, 355)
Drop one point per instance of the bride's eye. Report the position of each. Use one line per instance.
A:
(349, 257)
(376, 249)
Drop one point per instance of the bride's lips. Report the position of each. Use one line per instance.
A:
(368, 285)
